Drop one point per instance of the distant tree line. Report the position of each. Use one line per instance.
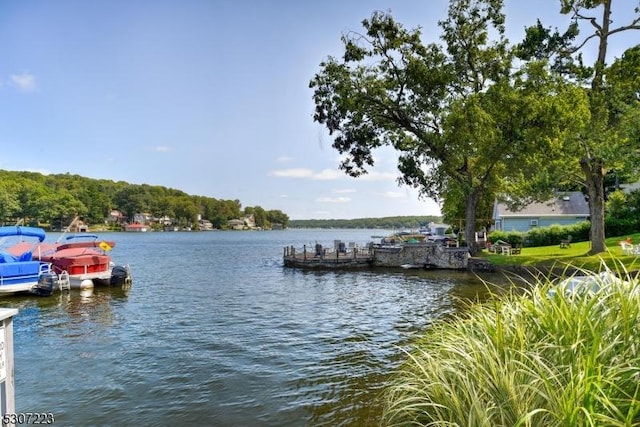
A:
(388, 223)
(56, 199)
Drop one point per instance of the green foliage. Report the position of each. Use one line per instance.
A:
(535, 359)
(622, 213)
(464, 120)
(57, 199)
(610, 140)
(544, 236)
(621, 226)
(514, 238)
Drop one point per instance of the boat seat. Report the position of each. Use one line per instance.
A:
(26, 268)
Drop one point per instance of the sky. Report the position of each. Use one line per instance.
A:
(210, 97)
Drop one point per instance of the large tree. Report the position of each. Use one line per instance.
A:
(460, 120)
(603, 146)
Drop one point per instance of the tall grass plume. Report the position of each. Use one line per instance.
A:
(555, 355)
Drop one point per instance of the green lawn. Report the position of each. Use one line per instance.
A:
(577, 255)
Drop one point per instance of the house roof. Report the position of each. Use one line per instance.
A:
(570, 203)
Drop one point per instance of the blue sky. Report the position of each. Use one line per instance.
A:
(209, 97)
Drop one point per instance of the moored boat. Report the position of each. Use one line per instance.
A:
(84, 258)
(19, 271)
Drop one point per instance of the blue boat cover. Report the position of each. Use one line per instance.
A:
(19, 230)
(82, 236)
(7, 257)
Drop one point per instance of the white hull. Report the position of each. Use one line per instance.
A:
(87, 281)
(17, 288)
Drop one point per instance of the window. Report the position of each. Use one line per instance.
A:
(534, 222)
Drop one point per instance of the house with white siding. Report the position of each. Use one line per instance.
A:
(567, 208)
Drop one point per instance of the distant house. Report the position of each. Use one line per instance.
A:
(204, 225)
(139, 228)
(566, 208)
(78, 227)
(115, 217)
(235, 224)
(164, 221)
(247, 223)
(142, 218)
(628, 188)
(435, 229)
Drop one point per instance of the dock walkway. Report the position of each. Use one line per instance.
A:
(413, 255)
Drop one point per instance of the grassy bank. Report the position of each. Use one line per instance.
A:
(528, 360)
(576, 255)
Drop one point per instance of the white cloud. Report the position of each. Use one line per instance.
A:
(25, 82)
(292, 173)
(344, 191)
(333, 199)
(328, 174)
(323, 175)
(162, 149)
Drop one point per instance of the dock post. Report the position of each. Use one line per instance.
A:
(7, 380)
(304, 253)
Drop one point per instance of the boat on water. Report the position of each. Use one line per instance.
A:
(20, 272)
(84, 258)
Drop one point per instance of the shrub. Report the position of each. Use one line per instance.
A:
(621, 226)
(514, 238)
(542, 358)
(545, 236)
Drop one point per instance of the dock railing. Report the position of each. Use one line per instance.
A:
(319, 252)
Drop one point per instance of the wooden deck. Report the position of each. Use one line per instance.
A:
(326, 258)
(416, 255)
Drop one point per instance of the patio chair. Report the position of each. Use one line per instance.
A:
(565, 243)
(627, 248)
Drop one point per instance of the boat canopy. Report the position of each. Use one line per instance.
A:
(19, 230)
(82, 236)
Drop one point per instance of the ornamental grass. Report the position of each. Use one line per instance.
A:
(551, 356)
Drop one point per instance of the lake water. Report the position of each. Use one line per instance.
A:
(215, 331)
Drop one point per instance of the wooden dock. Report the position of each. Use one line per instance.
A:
(400, 255)
(352, 257)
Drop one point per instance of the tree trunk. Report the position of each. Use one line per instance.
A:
(470, 222)
(594, 174)
(593, 167)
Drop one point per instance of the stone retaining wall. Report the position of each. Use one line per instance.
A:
(427, 255)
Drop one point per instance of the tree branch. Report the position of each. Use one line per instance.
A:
(633, 26)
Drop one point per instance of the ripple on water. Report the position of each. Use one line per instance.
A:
(215, 331)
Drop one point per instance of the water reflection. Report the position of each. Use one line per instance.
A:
(75, 312)
(346, 386)
(216, 332)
